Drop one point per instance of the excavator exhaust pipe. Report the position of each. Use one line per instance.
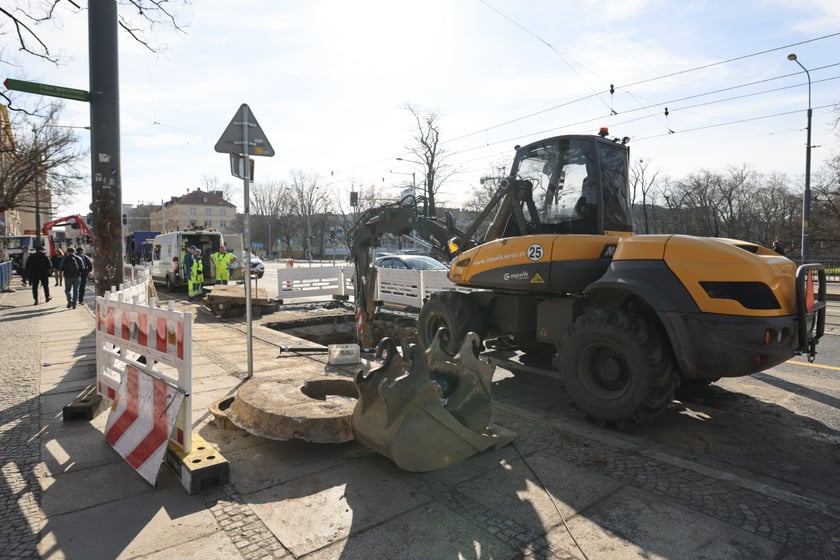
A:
(427, 410)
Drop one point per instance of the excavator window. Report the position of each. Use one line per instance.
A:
(613, 160)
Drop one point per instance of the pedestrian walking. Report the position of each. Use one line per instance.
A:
(23, 258)
(56, 264)
(71, 269)
(38, 268)
(87, 268)
(222, 260)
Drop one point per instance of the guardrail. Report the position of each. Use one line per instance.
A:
(393, 286)
(6, 272)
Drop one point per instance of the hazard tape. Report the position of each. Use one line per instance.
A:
(142, 417)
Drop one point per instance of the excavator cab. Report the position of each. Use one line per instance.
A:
(578, 183)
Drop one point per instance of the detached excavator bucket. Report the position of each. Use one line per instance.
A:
(427, 411)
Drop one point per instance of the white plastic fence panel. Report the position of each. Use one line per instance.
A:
(125, 331)
(294, 283)
(400, 286)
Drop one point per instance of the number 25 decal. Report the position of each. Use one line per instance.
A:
(535, 252)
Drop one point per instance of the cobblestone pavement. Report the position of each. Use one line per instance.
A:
(20, 515)
(806, 532)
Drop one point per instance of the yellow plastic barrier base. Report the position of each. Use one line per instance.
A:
(204, 467)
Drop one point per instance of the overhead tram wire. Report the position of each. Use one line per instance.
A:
(729, 123)
(727, 61)
(639, 82)
(669, 103)
(565, 58)
(647, 80)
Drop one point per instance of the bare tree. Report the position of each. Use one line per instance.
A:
(227, 189)
(310, 205)
(426, 151)
(39, 151)
(274, 203)
(642, 183)
(24, 22)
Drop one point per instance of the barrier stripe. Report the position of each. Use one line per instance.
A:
(160, 332)
(129, 405)
(143, 337)
(126, 325)
(159, 434)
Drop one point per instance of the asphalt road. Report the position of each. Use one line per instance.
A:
(780, 427)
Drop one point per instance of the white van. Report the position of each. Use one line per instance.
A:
(168, 253)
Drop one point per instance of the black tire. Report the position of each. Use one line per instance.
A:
(616, 368)
(456, 311)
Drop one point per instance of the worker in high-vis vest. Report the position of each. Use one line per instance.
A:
(222, 260)
(196, 281)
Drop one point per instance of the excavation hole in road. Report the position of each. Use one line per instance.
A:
(340, 328)
(320, 389)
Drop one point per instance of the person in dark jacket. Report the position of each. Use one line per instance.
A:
(87, 268)
(56, 264)
(71, 269)
(38, 268)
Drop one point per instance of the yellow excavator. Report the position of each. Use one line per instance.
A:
(621, 320)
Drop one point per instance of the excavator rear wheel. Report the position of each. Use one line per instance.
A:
(456, 311)
(616, 367)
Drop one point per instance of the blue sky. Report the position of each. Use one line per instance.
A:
(328, 81)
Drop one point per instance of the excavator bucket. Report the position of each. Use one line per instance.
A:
(426, 411)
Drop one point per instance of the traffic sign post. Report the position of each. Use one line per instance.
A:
(47, 89)
(244, 137)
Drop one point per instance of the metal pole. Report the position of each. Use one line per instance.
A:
(247, 242)
(37, 188)
(806, 196)
(106, 182)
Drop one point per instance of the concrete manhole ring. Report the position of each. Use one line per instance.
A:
(317, 410)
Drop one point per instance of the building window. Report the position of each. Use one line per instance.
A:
(192, 223)
(222, 224)
(208, 211)
(222, 211)
(208, 223)
(192, 211)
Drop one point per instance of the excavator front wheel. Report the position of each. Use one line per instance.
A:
(616, 367)
(456, 311)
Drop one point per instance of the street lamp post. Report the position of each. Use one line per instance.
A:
(414, 185)
(806, 197)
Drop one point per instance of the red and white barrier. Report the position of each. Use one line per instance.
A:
(143, 363)
(143, 416)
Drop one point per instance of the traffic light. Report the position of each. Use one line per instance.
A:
(354, 198)
(332, 235)
(125, 219)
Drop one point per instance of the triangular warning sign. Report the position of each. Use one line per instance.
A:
(234, 141)
(537, 279)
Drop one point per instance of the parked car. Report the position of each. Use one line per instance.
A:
(257, 266)
(413, 262)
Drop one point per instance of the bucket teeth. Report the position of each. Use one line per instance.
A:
(427, 410)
